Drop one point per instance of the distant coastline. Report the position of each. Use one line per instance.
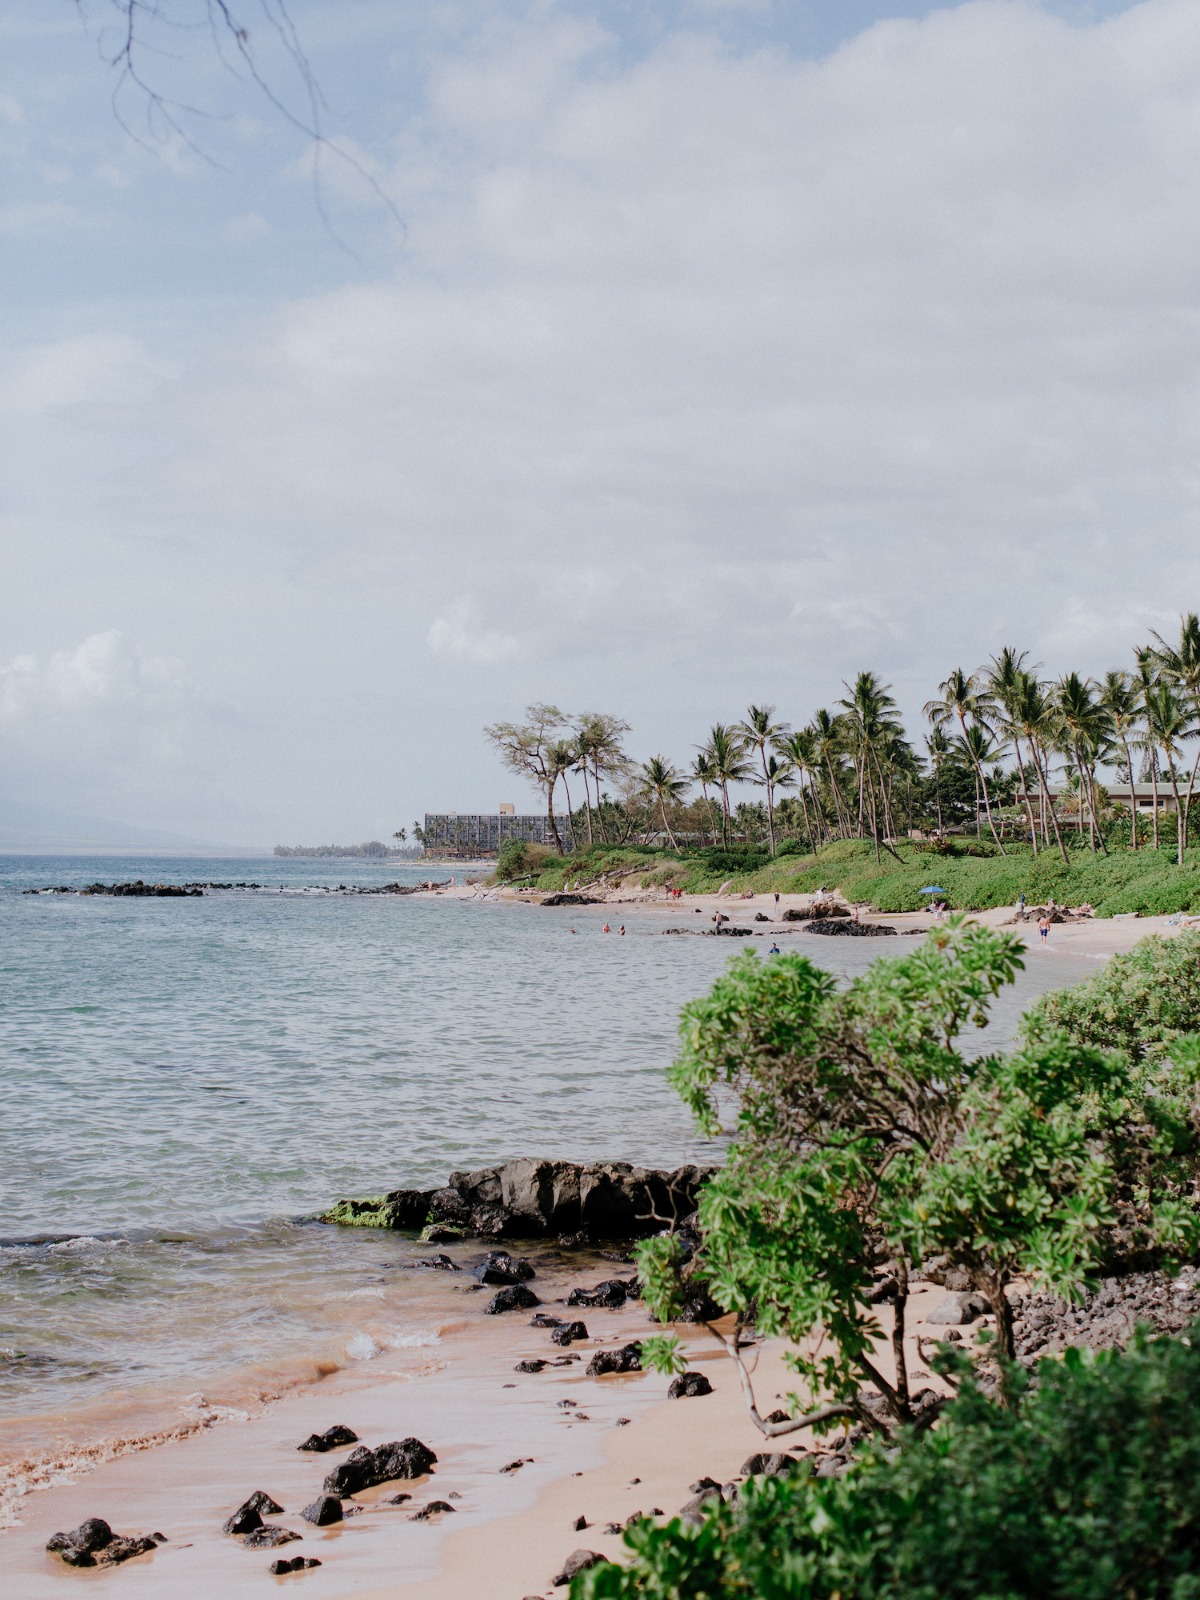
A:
(373, 850)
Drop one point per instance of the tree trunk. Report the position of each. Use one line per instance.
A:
(1025, 797)
(662, 806)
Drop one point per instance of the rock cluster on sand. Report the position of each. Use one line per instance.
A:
(94, 1544)
(332, 1439)
(363, 1468)
(531, 1198)
(1106, 1319)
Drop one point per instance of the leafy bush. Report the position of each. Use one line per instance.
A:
(738, 858)
(865, 1139)
(1089, 1489)
(1139, 1002)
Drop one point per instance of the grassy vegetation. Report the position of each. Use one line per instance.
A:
(974, 877)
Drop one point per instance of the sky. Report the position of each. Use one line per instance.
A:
(651, 358)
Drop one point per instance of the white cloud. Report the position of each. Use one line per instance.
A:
(702, 376)
(105, 670)
(460, 633)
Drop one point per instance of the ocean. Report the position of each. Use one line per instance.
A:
(184, 1081)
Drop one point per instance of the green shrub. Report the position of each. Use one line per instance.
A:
(512, 861)
(1089, 1489)
(1139, 1002)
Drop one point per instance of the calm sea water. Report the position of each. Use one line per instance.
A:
(181, 1079)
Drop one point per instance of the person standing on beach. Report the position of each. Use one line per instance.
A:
(1044, 928)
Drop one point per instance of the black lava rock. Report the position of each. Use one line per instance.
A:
(543, 1319)
(515, 1298)
(530, 1366)
(363, 1468)
(568, 1333)
(331, 1439)
(118, 1550)
(269, 1537)
(325, 1509)
(688, 1385)
(87, 1538)
(294, 1564)
(627, 1359)
(612, 1294)
(433, 1509)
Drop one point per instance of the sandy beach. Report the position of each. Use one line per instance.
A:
(600, 1449)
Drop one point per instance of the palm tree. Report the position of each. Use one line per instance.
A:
(937, 747)
(1180, 666)
(662, 782)
(759, 731)
(1145, 680)
(828, 747)
(705, 774)
(1169, 723)
(965, 698)
(1033, 716)
(1004, 675)
(799, 750)
(1120, 699)
(560, 758)
(725, 750)
(871, 731)
(598, 739)
(1085, 729)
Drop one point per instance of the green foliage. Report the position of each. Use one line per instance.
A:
(864, 1136)
(1089, 1490)
(1140, 1001)
(513, 860)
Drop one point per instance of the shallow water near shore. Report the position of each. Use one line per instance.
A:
(181, 1079)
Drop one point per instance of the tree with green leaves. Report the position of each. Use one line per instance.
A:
(662, 783)
(726, 752)
(864, 1139)
(967, 701)
(1120, 701)
(1084, 730)
(1179, 665)
(760, 732)
(1169, 722)
(532, 749)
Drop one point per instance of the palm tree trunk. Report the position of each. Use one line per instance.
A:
(1025, 797)
(1154, 788)
(662, 806)
(1133, 841)
(1178, 812)
(1044, 779)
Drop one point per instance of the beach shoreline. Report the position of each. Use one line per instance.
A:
(462, 1396)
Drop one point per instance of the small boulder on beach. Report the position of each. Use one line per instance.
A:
(331, 1439)
(325, 1509)
(627, 1359)
(515, 1298)
(363, 1468)
(501, 1268)
(435, 1508)
(688, 1385)
(269, 1537)
(568, 1333)
(293, 1564)
(611, 1294)
(87, 1538)
(578, 1561)
(530, 1366)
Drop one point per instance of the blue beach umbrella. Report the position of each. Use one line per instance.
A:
(933, 889)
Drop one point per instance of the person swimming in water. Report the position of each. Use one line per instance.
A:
(606, 928)
(774, 950)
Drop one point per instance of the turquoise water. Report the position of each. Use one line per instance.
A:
(180, 1079)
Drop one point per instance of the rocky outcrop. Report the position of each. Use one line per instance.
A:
(852, 930)
(570, 900)
(363, 1468)
(531, 1198)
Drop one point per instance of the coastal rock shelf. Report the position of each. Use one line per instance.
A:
(532, 1198)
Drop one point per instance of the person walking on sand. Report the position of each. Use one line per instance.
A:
(1044, 927)
(777, 899)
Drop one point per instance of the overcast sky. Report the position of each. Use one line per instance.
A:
(714, 352)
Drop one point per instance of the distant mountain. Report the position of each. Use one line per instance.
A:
(36, 830)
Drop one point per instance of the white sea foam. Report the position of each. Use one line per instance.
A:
(362, 1347)
(418, 1337)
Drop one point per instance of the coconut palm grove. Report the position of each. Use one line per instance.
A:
(1081, 787)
